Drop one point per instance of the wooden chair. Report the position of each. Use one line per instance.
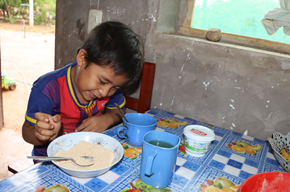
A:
(142, 104)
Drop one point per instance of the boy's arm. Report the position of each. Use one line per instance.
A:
(115, 115)
(101, 123)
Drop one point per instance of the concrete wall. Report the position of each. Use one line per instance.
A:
(229, 86)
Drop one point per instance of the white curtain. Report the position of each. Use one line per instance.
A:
(278, 17)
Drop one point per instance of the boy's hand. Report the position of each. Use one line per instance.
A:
(47, 126)
(93, 124)
(101, 123)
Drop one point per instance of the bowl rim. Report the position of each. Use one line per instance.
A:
(86, 171)
(267, 175)
(271, 141)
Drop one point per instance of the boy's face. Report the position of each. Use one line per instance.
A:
(95, 81)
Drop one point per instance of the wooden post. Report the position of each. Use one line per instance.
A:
(23, 20)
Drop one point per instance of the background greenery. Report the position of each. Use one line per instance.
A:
(44, 10)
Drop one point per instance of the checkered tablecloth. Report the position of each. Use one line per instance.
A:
(191, 173)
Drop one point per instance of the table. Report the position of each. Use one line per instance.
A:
(223, 166)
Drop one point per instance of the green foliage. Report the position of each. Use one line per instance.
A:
(4, 19)
(40, 17)
(41, 8)
(39, 4)
(7, 6)
(12, 19)
(13, 3)
(23, 11)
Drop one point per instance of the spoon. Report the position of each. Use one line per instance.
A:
(89, 160)
(120, 110)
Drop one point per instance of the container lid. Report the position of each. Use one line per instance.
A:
(199, 133)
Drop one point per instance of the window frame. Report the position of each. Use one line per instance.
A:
(186, 30)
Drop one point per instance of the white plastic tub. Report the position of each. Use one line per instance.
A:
(197, 139)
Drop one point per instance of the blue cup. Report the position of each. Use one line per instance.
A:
(134, 130)
(159, 154)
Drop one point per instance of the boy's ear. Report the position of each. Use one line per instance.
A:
(81, 57)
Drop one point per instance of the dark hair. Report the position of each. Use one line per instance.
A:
(115, 44)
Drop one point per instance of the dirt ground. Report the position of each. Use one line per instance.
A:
(24, 57)
(18, 26)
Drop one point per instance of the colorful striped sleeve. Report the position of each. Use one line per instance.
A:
(116, 98)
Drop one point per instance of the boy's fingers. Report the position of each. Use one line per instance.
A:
(44, 125)
(44, 134)
(42, 117)
(81, 127)
(41, 137)
(56, 118)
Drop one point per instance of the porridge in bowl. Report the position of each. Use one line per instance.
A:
(68, 141)
(103, 157)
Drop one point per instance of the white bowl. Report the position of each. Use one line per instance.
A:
(277, 142)
(65, 142)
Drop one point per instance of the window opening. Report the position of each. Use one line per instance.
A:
(236, 17)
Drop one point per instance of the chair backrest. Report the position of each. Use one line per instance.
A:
(142, 104)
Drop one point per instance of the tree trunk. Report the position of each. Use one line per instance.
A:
(9, 10)
(8, 13)
(3, 11)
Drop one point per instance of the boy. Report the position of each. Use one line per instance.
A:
(81, 95)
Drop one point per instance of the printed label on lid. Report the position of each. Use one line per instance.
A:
(198, 132)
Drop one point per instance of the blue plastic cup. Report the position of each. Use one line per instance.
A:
(158, 161)
(134, 130)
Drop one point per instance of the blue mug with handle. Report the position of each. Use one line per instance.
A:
(137, 126)
(159, 154)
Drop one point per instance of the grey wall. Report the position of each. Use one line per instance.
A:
(229, 86)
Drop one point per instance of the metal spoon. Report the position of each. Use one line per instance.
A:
(120, 110)
(88, 159)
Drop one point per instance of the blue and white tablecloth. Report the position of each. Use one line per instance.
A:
(192, 173)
